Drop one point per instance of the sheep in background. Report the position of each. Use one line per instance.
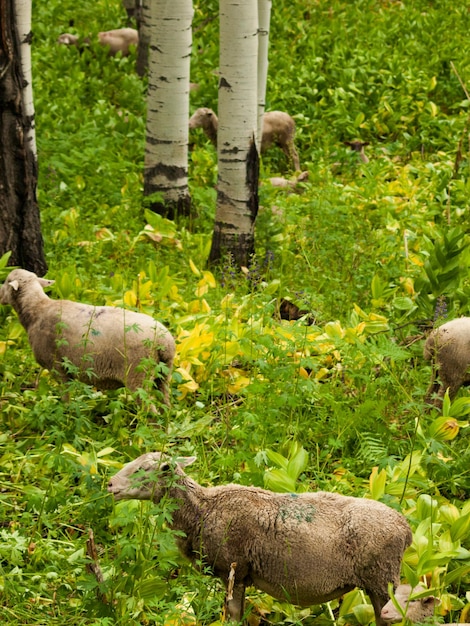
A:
(304, 548)
(448, 347)
(416, 610)
(118, 40)
(67, 39)
(105, 344)
(278, 129)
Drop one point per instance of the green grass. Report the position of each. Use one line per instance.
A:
(370, 250)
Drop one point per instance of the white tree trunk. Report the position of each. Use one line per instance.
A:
(166, 152)
(23, 26)
(264, 18)
(237, 198)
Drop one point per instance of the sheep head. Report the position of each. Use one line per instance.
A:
(148, 477)
(203, 118)
(68, 39)
(414, 606)
(18, 280)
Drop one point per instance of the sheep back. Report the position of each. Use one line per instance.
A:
(106, 344)
(448, 347)
(306, 548)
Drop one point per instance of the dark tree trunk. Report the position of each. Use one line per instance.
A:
(226, 241)
(20, 228)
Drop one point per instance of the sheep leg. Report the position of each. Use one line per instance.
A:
(434, 394)
(378, 600)
(236, 605)
(295, 157)
(291, 153)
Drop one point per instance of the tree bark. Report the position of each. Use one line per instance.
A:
(166, 152)
(20, 228)
(143, 25)
(264, 18)
(237, 185)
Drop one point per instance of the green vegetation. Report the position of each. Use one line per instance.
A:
(375, 252)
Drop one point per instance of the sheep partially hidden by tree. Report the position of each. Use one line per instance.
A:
(302, 548)
(105, 345)
(414, 610)
(278, 129)
(448, 347)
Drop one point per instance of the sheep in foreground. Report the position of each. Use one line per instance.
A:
(448, 347)
(278, 129)
(414, 610)
(107, 345)
(302, 548)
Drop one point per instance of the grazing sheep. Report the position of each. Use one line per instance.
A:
(119, 40)
(448, 347)
(67, 39)
(278, 129)
(413, 610)
(105, 344)
(291, 185)
(304, 548)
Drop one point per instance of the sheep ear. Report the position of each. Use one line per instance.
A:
(45, 283)
(430, 600)
(14, 284)
(185, 460)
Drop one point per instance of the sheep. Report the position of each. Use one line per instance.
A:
(278, 129)
(448, 347)
(291, 185)
(105, 344)
(303, 548)
(67, 39)
(413, 610)
(119, 40)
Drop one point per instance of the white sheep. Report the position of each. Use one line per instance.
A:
(414, 610)
(278, 129)
(448, 347)
(302, 548)
(118, 40)
(106, 345)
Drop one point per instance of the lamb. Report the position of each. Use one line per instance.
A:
(278, 129)
(105, 344)
(448, 347)
(414, 610)
(304, 548)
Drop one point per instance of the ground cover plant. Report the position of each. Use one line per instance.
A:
(375, 253)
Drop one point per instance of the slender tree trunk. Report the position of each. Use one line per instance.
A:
(237, 185)
(20, 228)
(166, 152)
(131, 7)
(143, 25)
(264, 18)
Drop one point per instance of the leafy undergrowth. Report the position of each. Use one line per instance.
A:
(374, 253)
